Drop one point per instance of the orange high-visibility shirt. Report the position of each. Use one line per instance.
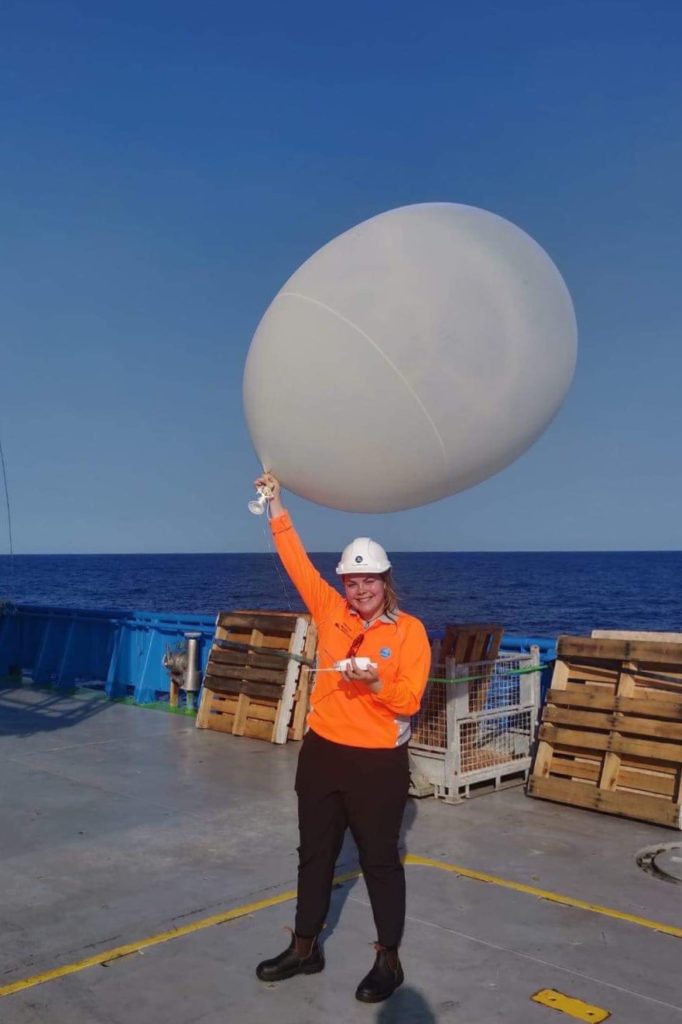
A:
(350, 713)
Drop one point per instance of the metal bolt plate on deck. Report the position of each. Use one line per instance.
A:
(663, 861)
(572, 1007)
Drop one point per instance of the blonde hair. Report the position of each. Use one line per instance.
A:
(390, 595)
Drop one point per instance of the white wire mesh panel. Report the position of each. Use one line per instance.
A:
(429, 725)
(494, 740)
(482, 716)
(493, 684)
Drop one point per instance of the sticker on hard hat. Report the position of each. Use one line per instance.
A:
(358, 559)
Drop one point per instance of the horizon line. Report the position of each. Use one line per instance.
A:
(396, 551)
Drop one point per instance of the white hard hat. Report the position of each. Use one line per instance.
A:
(363, 555)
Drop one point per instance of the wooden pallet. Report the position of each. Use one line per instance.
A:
(471, 642)
(636, 634)
(306, 678)
(255, 683)
(470, 645)
(611, 732)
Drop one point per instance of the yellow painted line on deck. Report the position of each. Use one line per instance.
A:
(545, 894)
(575, 1008)
(155, 940)
(106, 956)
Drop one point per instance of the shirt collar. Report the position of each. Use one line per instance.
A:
(390, 619)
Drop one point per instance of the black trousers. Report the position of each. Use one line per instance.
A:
(365, 790)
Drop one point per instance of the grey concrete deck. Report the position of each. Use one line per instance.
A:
(120, 823)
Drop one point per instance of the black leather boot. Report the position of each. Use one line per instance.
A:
(383, 979)
(302, 956)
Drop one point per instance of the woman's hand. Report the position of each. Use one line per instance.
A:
(267, 480)
(370, 676)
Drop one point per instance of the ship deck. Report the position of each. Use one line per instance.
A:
(147, 866)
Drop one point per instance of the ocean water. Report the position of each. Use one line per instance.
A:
(541, 594)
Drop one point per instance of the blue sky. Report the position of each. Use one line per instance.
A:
(165, 167)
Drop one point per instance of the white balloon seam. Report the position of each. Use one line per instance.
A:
(387, 359)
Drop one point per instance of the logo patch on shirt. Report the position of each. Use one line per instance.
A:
(385, 652)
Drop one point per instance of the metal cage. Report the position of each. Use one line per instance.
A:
(476, 724)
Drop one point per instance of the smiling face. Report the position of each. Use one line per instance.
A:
(365, 593)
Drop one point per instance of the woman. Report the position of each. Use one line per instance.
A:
(353, 768)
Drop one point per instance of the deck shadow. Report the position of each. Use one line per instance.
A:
(406, 1006)
(52, 712)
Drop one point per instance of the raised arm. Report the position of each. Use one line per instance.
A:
(317, 595)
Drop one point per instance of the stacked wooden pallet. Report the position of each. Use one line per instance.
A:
(611, 732)
(259, 675)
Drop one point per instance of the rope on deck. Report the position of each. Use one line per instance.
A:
(233, 645)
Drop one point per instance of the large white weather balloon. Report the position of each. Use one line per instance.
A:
(411, 357)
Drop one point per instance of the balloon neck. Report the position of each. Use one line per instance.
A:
(258, 506)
